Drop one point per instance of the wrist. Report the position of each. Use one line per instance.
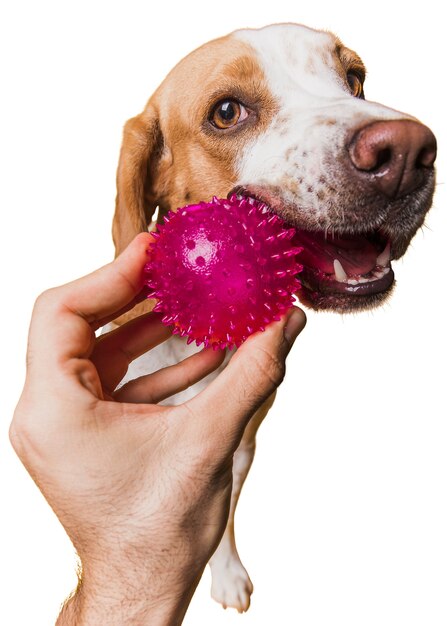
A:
(83, 609)
(127, 598)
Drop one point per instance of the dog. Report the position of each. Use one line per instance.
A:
(278, 114)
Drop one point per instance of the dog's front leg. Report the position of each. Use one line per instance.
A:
(231, 584)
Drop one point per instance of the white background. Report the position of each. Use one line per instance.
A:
(343, 519)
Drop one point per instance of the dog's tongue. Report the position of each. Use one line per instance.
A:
(356, 254)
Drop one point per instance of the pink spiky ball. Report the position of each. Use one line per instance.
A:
(222, 270)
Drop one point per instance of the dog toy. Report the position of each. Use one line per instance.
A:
(222, 270)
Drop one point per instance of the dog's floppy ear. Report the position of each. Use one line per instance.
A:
(135, 203)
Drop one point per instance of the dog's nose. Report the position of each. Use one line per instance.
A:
(394, 155)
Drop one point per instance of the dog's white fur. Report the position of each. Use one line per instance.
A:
(301, 73)
(314, 110)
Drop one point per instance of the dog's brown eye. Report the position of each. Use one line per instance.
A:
(355, 84)
(228, 113)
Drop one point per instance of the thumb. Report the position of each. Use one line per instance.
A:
(253, 373)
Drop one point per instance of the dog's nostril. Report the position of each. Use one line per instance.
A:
(426, 156)
(384, 156)
(370, 153)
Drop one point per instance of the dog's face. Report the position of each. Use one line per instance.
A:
(279, 114)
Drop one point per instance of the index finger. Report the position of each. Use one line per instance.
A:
(109, 289)
(64, 317)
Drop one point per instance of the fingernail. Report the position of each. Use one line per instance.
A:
(294, 325)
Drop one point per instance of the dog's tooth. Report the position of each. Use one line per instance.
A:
(339, 272)
(384, 257)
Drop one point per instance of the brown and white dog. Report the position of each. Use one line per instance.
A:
(279, 114)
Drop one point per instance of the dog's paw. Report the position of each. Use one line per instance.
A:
(231, 585)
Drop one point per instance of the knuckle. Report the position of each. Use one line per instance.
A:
(29, 359)
(14, 437)
(26, 434)
(270, 367)
(18, 433)
(46, 298)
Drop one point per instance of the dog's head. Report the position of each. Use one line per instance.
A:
(279, 114)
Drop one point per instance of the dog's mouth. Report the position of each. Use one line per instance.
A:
(353, 265)
(342, 272)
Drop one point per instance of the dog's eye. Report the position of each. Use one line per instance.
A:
(355, 83)
(228, 113)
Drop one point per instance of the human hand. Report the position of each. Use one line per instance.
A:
(142, 490)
